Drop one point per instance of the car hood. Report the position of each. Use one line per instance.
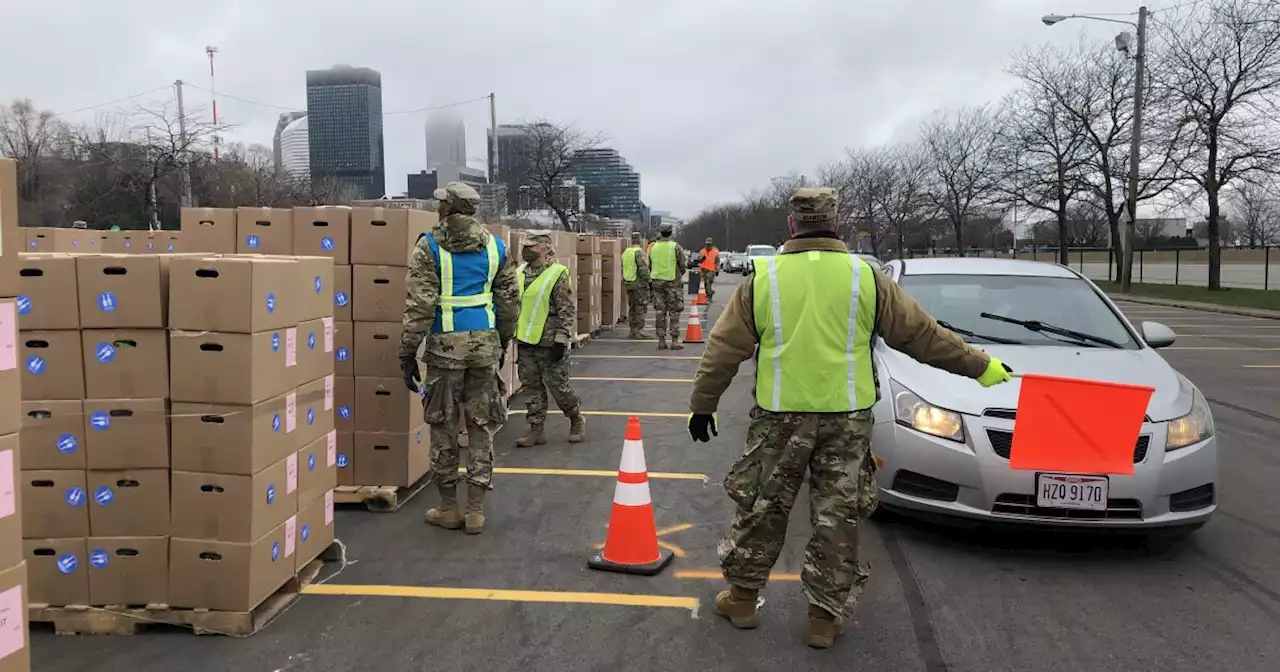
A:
(1172, 397)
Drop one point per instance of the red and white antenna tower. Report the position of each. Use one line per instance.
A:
(213, 91)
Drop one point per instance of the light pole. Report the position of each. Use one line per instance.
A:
(1135, 146)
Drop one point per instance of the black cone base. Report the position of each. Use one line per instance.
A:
(597, 561)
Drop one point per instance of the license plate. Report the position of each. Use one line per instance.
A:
(1071, 491)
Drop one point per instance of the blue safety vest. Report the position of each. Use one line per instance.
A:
(466, 281)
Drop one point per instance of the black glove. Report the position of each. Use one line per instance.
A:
(409, 370)
(559, 351)
(699, 426)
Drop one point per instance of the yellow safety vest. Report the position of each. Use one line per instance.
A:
(815, 317)
(535, 304)
(663, 258)
(629, 257)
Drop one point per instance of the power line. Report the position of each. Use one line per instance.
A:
(292, 109)
(439, 107)
(113, 102)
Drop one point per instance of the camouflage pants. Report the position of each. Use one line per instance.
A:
(708, 277)
(781, 448)
(539, 374)
(637, 306)
(451, 394)
(668, 306)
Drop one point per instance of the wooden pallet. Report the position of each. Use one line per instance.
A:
(129, 619)
(581, 339)
(379, 498)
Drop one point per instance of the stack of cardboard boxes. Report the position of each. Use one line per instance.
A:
(92, 241)
(613, 301)
(15, 655)
(590, 278)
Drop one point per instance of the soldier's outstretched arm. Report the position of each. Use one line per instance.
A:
(506, 300)
(422, 284)
(906, 326)
(565, 309)
(732, 341)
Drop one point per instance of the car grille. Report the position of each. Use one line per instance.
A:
(925, 487)
(1025, 505)
(1002, 444)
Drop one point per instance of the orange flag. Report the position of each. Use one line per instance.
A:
(1077, 426)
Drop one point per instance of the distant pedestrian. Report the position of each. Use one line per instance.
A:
(708, 266)
(635, 277)
(667, 268)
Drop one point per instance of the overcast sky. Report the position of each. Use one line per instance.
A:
(707, 99)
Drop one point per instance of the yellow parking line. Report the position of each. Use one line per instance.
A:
(601, 473)
(695, 358)
(674, 528)
(543, 596)
(712, 574)
(629, 413)
(633, 380)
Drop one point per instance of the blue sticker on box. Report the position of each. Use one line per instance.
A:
(104, 495)
(326, 244)
(100, 420)
(127, 244)
(251, 241)
(67, 563)
(271, 302)
(418, 438)
(151, 246)
(32, 244)
(306, 532)
(99, 558)
(275, 551)
(275, 342)
(275, 422)
(36, 365)
(342, 354)
(311, 462)
(271, 493)
(107, 302)
(75, 496)
(340, 299)
(67, 443)
(344, 411)
(311, 416)
(317, 284)
(105, 353)
(342, 460)
(311, 340)
(170, 247)
(24, 305)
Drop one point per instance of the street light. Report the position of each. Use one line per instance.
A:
(1140, 58)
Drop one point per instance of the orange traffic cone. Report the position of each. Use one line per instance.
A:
(632, 544)
(693, 332)
(701, 298)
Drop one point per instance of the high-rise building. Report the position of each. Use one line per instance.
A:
(344, 111)
(446, 140)
(512, 144)
(423, 184)
(612, 186)
(295, 148)
(285, 119)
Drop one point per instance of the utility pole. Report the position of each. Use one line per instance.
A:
(1139, 79)
(493, 128)
(213, 91)
(184, 160)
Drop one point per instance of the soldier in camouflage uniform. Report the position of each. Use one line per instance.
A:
(462, 358)
(666, 269)
(808, 420)
(637, 287)
(709, 267)
(548, 316)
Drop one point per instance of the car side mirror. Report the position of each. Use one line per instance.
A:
(1157, 335)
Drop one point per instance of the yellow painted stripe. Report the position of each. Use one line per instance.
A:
(695, 358)
(543, 596)
(712, 574)
(624, 413)
(675, 528)
(633, 380)
(599, 473)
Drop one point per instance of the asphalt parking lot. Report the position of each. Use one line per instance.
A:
(413, 597)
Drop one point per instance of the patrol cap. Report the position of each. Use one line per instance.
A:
(536, 239)
(635, 235)
(664, 228)
(813, 204)
(461, 197)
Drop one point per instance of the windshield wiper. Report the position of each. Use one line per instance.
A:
(1041, 327)
(970, 334)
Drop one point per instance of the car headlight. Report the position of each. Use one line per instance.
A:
(912, 411)
(1193, 427)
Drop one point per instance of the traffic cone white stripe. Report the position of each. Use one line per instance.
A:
(632, 458)
(632, 494)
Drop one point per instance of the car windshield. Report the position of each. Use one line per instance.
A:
(761, 251)
(1070, 303)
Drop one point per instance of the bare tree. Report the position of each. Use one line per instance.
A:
(903, 199)
(544, 160)
(961, 148)
(1255, 209)
(1086, 224)
(859, 178)
(1222, 73)
(38, 141)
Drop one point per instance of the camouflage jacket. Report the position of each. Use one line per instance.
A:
(463, 349)
(642, 270)
(900, 321)
(562, 318)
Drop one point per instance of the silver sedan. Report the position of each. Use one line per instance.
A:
(942, 443)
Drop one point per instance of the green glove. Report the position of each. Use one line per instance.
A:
(997, 372)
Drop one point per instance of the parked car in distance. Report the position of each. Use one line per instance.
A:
(733, 262)
(754, 252)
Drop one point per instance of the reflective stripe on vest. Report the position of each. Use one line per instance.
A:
(815, 315)
(629, 256)
(709, 259)
(535, 303)
(664, 260)
(466, 281)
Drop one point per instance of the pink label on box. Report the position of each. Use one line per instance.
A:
(13, 615)
(332, 453)
(290, 412)
(8, 337)
(328, 392)
(290, 346)
(290, 473)
(328, 334)
(328, 508)
(290, 535)
(8, 491)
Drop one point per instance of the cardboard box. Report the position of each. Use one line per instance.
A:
(314, 528)
(226, 439)
(242, 295)
(125, 363)
(386, 236)
(229, 576)
(123, 291)
(377, 293)
(54, 504)
(52, 365)
(588, 244)
(377, 348)
(15, 655)
(129, 503)
(52, 435)
(211, 230)
(232, 507)
(126, 433)
(346, 459)
(154, 242)
(342, 293)
(343, 337)
(344, 404)
(612, 310)
(264, 231)
(610, 247)
(112, 242)
(78, 241)
(590, 264)
(10, 501)
(385, 405)
(41, 239)
(323, 232)
(57, 571)
(317, 468)
(50, 298)
(314, 285)
(12, 239)
(128, 570)
(396, 459)
(315, 409)
(316, 341)
(589, 285)
(11, 376)
(221, 368)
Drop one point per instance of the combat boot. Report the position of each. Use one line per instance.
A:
(475, 510)
(739, 606)
(446, 515)
(662, 344)
(677, 345)
(823, 627)
(533, 437)
(577, 428)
